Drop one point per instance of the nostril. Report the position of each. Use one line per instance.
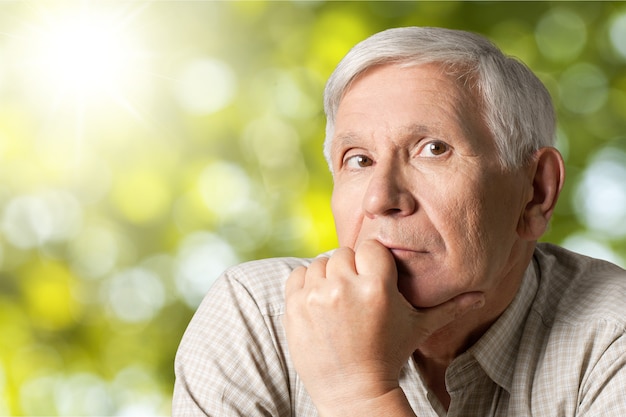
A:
(401, 204)
(388, 192)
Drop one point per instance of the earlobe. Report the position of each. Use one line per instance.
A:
(547, 173)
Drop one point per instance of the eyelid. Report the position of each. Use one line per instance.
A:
(429, 141)
(351, 155)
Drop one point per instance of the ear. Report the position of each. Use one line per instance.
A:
(547, 172)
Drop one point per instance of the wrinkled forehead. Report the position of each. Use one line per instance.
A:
(450, 88)
(455, 78)
(459, 73)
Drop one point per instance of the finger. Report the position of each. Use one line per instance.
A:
(295, 281)
(434, 318)
(373, 258)
(341, 263)
(317, 269)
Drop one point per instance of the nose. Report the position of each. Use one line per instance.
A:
(388, 192)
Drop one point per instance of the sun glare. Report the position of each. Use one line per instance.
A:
(82, 65)
(86, 54)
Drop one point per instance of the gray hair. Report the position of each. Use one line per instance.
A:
(517, 107)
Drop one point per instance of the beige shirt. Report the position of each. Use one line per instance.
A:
(558, 350)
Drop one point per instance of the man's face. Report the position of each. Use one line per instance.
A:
(416, 169)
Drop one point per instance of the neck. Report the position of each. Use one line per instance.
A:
(437, 353)
(443, 346)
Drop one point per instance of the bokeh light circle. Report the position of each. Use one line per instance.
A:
(561, 34)
(205, 86)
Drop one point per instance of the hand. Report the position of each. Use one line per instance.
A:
(350, 331)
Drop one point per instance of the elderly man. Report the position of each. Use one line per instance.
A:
(439, 301)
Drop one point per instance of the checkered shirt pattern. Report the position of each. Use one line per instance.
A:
(558, 350)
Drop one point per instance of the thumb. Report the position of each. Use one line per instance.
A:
(374, 259)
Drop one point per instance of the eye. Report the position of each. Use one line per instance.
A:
(358, 161)
(434, 148)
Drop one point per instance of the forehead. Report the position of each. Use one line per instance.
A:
(421, 81)
(408, 100)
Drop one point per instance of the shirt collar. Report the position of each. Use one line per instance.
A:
(496, 351)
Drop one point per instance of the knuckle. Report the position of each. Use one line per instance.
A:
(374, 291)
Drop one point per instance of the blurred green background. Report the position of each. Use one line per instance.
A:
(146, 146)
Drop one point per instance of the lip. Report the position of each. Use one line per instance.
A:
(400, 251)
(405, 254)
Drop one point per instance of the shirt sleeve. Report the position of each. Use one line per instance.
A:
(228, 362)
(604, 389)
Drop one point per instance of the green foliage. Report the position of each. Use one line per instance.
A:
(133, 172)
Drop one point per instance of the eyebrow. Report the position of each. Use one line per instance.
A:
(345, 139)
(418, 129)
(351, 138)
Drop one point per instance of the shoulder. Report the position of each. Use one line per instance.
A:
(577, 289)
(261, 281)
(232, 359)
(254, 273)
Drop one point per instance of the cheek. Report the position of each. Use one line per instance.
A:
(462, 224)
(483, 227)
(346, 208)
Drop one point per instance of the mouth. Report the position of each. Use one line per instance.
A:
(409, 261)
(401, 253)
(401, 249)
(409, 258)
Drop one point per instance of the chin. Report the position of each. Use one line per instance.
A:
(425, 281)
(424, 293)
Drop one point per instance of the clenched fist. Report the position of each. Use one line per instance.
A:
(350, 331)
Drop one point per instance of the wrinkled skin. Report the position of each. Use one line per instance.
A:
(430, 228)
